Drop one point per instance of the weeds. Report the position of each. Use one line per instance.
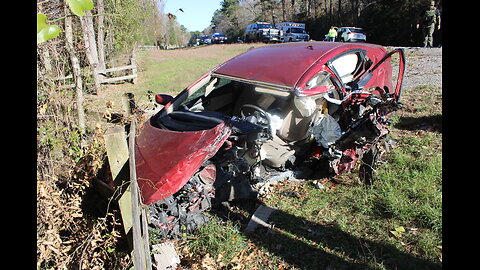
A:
(67, 235)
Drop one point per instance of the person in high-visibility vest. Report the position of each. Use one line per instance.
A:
(332, 34)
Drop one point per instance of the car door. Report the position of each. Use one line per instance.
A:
(355, 71)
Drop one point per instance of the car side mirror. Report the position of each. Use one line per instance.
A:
(163, 99)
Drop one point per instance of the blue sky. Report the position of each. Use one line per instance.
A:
(196, 15)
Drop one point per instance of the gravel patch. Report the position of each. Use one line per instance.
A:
(424, 67)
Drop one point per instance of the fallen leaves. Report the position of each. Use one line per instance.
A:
(398, 232)
(65, 235)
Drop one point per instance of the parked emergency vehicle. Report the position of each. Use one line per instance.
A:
(293, 31)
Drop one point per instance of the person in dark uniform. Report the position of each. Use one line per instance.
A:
(431, 17)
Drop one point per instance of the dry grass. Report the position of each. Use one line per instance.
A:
(68, 235)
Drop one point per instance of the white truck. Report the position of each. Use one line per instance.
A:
(293, 31)
(262, 32)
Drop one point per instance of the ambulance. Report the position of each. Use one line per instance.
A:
(293, 31)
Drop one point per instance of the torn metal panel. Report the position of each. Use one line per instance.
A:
(167, 159)
(260, 217)
(165, 256)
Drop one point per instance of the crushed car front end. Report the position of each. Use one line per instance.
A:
(252, 120)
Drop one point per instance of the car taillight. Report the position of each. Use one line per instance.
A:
(350, 33)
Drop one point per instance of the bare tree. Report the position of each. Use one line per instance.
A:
(101, 35)
(77, 73)
(91, 46)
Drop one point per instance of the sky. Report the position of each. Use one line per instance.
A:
(196, 15)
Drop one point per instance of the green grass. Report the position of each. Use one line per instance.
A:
(166, 72)
(350, 225)
(345, 225)
(174, 75)
(219, 237)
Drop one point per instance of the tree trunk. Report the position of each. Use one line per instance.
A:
(330, 13)
(91, 45)
(45, 58)
(325, 7)
(76, 71)
(340, 16)
(100, 36)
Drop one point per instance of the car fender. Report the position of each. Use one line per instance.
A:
(166, 159)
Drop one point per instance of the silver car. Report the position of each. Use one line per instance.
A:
(351, 34)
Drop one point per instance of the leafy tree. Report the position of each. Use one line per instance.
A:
(47, 31)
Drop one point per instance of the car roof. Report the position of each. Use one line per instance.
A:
(283, 64)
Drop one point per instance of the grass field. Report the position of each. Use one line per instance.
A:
(167, 72)
(394, 224)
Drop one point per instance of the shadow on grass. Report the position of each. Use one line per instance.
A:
(309, 245)
(427, 123)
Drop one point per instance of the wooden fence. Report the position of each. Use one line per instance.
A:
(106, 75)
(121, 157)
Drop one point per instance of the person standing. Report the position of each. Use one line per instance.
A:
(332, 34)
(431, 18)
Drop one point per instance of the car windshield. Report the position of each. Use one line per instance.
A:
(297, 30)
(206, 89)
(263, 26)
(360, 31)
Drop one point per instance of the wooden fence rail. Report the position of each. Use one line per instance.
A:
(104, 78)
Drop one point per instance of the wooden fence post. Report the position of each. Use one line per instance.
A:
(133, 62)
(128, 103)
(90, 43)
(121, 157)
(141, 242)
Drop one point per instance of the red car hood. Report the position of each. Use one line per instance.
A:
(165, 159)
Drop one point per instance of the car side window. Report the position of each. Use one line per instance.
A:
(345, 66)
(322, 79)
(349, 65)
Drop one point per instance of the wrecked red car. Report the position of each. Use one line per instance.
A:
(274, 112)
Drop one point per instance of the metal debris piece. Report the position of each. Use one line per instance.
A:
(260, 217)
(166, 258)
(318, 184)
